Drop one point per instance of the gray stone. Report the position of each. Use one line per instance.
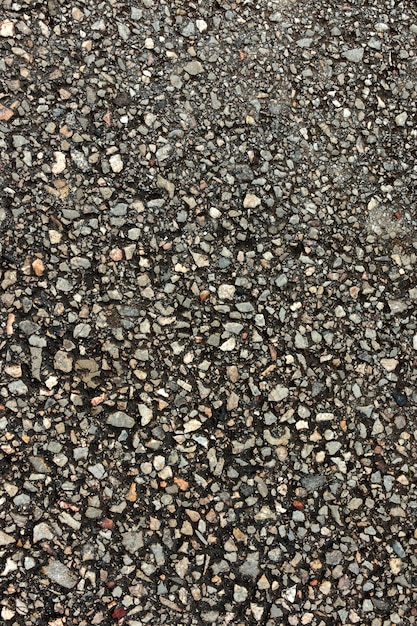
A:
(132, 541)
(17, 388)
(60, 574)
(97, 470)
(42, 531)
(355, 55)
(313, 482)
(280, 392)
(81, 331)
(63, 284)
(63, 361)
(39, 465)
(119, 419)
(239, 593)
(250, 567)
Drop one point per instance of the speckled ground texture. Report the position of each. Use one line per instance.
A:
(208, 338)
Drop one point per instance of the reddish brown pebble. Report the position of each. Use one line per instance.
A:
(297, 504)
(118, 613)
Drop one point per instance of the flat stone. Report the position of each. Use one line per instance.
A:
(389, 364)
(397, 306)
(164, 183)
(17, 388)
(182, 567)
(60, 574)
(59, 164)
(81, 331)
(39, 465)
(193, 68)
(233, 327)
(97, 470)
(398, 549)
(300, 341)
(119, 419)
(355, 55)
(63, 284)
(263, 583)
(232, 373)
(396, 565)
(324, 417)
(164, 152)
(201, 260)
(278, 393)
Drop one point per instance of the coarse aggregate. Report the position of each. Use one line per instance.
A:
(208, 345)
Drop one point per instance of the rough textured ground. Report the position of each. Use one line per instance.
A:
(208, 331)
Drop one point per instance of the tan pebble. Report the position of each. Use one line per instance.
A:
(97, 399)
(54, 236)
(325, 587)
(389, 364)
(131, 494)
(193, 515)
(251, 201)
(64, 94)
(204, 295)
(38, 267)
(5, 113)
(282, 453)
(239, 535)
(232, 373)
(77, 14)
(316, 564)
(9, 324)
(116, 254)
(154, 523)
(232, 401)
(396, 565)
(187, 529)
(15, 371)
(263, 582)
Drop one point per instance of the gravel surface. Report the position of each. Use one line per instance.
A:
(208, 334)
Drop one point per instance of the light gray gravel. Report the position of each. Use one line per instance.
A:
(208, 248)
